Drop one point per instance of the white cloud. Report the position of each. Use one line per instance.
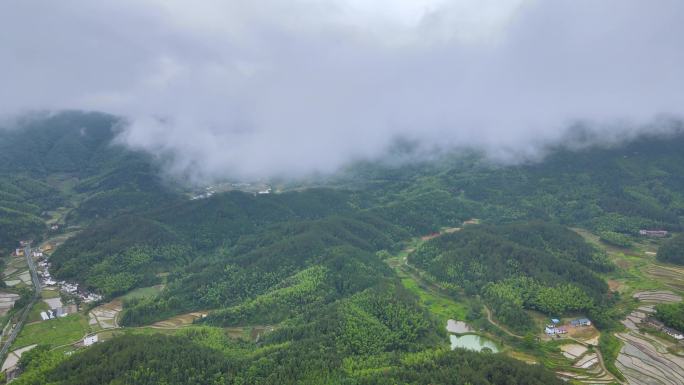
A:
(271, 87)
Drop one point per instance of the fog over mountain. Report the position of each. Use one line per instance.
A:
(284, 88)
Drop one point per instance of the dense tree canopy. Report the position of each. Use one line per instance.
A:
(672, 314)
(535, 266)
(307, 260)
(672, 250)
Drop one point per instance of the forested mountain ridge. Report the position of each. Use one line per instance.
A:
(630, 187)
(313, 262)
(194, 359)
(69, 159)
(380, 335)
(673, 250)
(536, 266)
(620, 188)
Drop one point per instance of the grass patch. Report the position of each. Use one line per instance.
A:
(34, 314)
(145, 330)
(141, 292)
(442, 307)
(610, 348)
(47, 294)
(54, 332)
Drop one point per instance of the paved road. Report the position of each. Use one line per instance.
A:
(24, 314)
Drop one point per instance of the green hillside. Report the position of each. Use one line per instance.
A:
(346, 273)
(516, 267)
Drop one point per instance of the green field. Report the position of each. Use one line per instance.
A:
(34, 315)
(442, 307)
(54, 332)
(47, 294)
(150, 291)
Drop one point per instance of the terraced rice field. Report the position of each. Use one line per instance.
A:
(646, 359)
(105, 315)
(655, 297)
(16, 272)
(572, 351)
(7, 302)
(671, 276)
(584, 365)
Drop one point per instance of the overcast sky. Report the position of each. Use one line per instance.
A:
(258, 88)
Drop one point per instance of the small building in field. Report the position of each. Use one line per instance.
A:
(580, 322)
(60, 312)
(44, 316)
(553, 330)
(555, 321)
(89, 340)
(654, 233)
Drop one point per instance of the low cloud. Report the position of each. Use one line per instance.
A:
(286, 88)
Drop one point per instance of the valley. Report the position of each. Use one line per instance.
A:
(382, 273)
(577, 357)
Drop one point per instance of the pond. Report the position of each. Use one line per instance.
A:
(472, 342)
(458, 327)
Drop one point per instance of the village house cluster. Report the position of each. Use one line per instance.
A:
(654, 323)
(555, 329)
(209, 191)
(255, 189)
(64, 287)
(54, 313)
(46, 280)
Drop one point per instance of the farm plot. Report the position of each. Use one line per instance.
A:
(7, 301)
(662, 296)
(13, 357)
(55, 332)
(16, 272)
(180, 320)
(572, 351)
(579, 363)
(104, 316)
(671, 276)
(646, 359)
(588, 371)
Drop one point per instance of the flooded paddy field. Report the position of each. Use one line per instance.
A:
(646, 358)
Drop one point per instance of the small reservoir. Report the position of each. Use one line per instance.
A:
(472, 342)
